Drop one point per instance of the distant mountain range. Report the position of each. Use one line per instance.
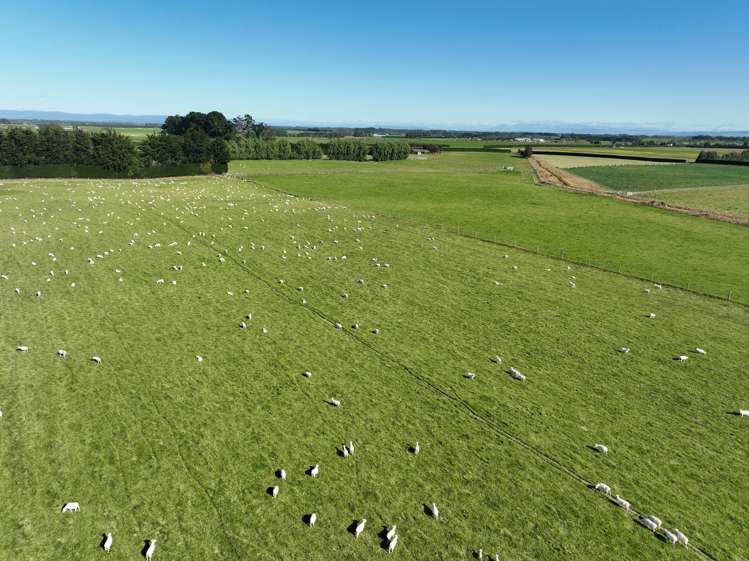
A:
(552, 127)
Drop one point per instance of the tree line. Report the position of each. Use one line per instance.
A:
(710, 155)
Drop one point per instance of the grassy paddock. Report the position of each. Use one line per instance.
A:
(153, 444)
(647, 178)
(507, 206)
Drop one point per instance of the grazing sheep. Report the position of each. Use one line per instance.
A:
(61, 353)
(391, 532)
(315, 470)
(495, 557)
(471, 375)
(360, 527)
(107, 545)
(242, 325)
(681, 537)
(603, 488)
(658, 286)
(281, 474)
(96, 359)
(700, 351)
(376, 331)
(650, 315)
(434, 511)
(417, 448)
(515, 373)
(150, 550)
(199, 358)
(681, 358)
(649, 524)
(334, 402)
(350, 447)
(602, 448)
(480, 555)
(18, 291)
(70, 507)
(338, 325)
(393, 543)
(22, 348)
(670, 537)
(623, 349)
(345, 451)
(622, 503)
(497, 359)
(307, 374)
(274, 491)
(655, 520)
(312, 519)
(743, 412)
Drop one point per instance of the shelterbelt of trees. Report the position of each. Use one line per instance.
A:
(196, 138)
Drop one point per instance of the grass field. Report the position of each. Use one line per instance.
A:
(733, 200)
(137, 134)
(651, 151)
(647, 178)
(564, 162)
(508, 206)
(154, 444)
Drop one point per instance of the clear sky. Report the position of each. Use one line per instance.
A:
(671, 64)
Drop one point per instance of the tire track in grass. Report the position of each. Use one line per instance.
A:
(459, 404)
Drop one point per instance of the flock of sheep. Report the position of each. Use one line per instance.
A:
(391, 538)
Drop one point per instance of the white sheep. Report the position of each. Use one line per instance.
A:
(622, 503)
(681, 358)
(657, 521)
(649, 524)
(670, 537)
(345, 451)
(497, 359)
(22, 348)
(434, 511)
(650, 315)
(312, 519)
(242, 325)
(71, 507)
(307, 374)
(62, 353)
(391, 532)
(274, 491)
(107, 545)
(393, 543)
(471, 375)
(350, 447)
(360, 527)
(334, 402)
(18, 291)
(743, 412)
(199, 358)
(281, 474)
(681, 537)
(515, 373)
(416, 448)
(603, 488)
(315, 470)
(96, 359)
(150, 550)
(624, 350)
(602, 448)
(700, 351)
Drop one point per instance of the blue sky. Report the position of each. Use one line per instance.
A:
(681, 65)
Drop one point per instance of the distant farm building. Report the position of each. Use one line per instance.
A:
(419, 150)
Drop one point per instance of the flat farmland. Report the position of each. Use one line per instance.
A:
(648, 178)
(389, 317)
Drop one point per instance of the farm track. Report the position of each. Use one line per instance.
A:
(550, 175)
(463, 234)
(458, 403)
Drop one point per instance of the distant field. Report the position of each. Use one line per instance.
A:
(136, 133)
(508, 206)
(653, 151)
(565, 162)
(647, 177)
(732, 200)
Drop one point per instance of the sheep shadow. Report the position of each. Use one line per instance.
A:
(427, 510)
(144, 549)
(307, 519)
(411, 449)
(103, 541)
(352, 527)
(339, 452)
(734, 413)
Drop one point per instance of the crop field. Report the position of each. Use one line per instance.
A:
(564, 162)
(469, 193)
(647, 178)
(650, 151)
(388, 316)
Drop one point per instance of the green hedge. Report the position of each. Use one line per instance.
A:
(99, 172)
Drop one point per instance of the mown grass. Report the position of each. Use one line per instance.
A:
(646, 178)
(733, 200)
(154, 444)
(508, 207)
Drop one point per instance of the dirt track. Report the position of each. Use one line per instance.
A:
(551, 175)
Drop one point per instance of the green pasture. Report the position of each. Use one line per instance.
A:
(647, 178)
